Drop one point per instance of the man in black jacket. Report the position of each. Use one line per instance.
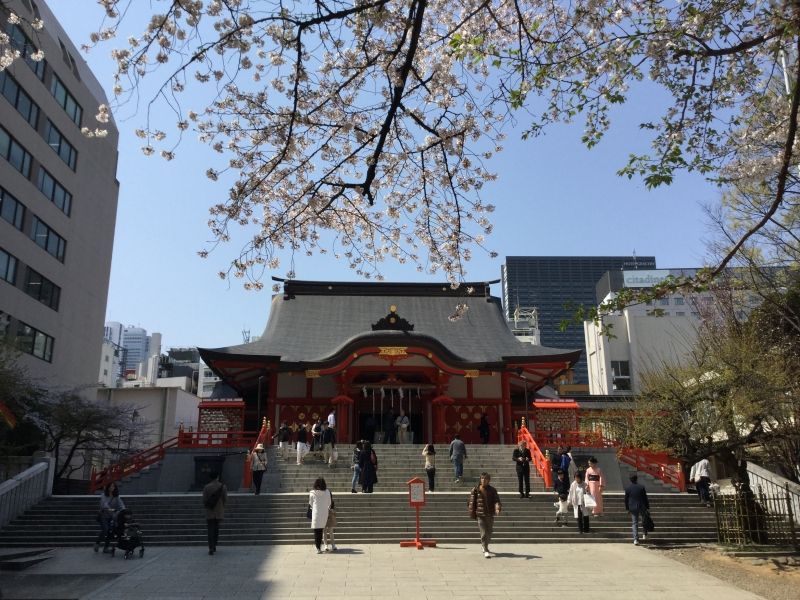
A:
(636, 502)
(522, 459)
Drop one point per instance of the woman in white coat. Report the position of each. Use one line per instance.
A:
(577, 498)
(319, 499)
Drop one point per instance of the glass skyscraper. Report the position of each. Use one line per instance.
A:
(556, 286)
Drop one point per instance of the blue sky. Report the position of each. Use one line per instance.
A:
(553, 197)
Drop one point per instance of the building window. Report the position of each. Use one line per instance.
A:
(66, 100)
(32, 341)
(621, 375)
(42, 289)
(19, 99)
(23, 43)
(15, 154)
(8, 267)
(54, 191)
(11, 209)
(48, 239)
(680, 313)
(60, 145)
(5, 324)
(679, 301)
(664, 301)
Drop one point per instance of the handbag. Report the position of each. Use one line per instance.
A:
(647, 522)
(308, 512)
(589, 501)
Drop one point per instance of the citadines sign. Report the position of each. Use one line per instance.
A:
(640, 279)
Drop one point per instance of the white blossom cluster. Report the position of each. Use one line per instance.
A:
(374, 120)
(8, 52)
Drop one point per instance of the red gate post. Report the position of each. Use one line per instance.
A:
(416, 498)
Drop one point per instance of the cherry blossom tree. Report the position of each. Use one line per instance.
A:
(372, 123)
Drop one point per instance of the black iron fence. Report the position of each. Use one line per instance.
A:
(759, 518)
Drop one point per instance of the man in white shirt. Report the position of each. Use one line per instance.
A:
(332, 419)
(701, 476)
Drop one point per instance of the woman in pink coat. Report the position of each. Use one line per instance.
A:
(596, 483)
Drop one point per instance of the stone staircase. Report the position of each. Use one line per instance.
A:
(277, 516)
(396, 465)
(362, 518)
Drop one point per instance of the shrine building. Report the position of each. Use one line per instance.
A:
(369, 348)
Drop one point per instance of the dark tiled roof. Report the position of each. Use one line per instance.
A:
(313, 323)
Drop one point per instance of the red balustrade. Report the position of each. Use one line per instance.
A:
(184, 439)
(575, 439)
(657, 464)
(540, 461)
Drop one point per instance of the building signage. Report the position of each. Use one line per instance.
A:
(642, 279)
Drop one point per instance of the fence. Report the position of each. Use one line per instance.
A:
(773, 484)
(22, 491)
(759, 519)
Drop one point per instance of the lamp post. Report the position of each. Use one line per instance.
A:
(521, 373)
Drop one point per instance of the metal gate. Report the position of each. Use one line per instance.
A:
(758, 519)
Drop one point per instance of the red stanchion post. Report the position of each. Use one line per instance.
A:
(416, 499)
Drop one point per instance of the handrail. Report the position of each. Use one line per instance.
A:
(22, 491)
(261, 438)
(656, 464)
(773, 484)
(576, 439)
(540, 461)
(185, 439)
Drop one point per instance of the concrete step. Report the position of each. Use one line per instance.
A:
(19, 560)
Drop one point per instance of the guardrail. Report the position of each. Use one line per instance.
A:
(22, 491)
(575, 439)
(772, 484)
(263, 437)
(540, 461)
(185, 439)
(657, 464)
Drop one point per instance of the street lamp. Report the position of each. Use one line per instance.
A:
(521, 373)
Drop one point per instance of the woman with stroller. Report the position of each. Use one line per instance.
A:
(110, 506)
(368, 461)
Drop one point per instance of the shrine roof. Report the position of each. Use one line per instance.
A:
(313, 323)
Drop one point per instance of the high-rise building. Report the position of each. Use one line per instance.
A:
(137, 346)
(58, 202)
(555, 287)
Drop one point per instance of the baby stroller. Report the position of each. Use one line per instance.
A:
(127, 535)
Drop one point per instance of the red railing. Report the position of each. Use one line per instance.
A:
(540, 461)
(575, 439)
(263, 437)
(184, 439)
(657, 464)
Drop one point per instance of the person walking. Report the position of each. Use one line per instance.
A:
(565, 460)
(458, 454)
(577, 498)
(402, 423)
(483, 429)
(522, 460)
(701, 476)
(302, 443)
(354, 464)
(215, 496)
(368, 461)
(328, 439)
(319, 500)
(110, 506)
(316, 435)
(561, 490)
(429, 453)
(283, 435)
(636, 503)
(484, 506)
(258, 466)
(595, 481)
(332, 418)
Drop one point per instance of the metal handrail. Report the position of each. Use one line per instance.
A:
(773, 484)
(540, 460)
(575, 439)
(656, 464)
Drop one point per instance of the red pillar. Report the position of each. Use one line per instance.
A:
(342, 404)
(440, 403)
(506, 408)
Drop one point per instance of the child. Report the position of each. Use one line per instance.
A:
(561, 490)
(577, 491)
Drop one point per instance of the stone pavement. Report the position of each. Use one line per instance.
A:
(533, 571)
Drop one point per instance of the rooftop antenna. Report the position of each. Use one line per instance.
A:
(635, 263)
(245, 336)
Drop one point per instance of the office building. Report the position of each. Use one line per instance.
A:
(555, 287)
(58, 202)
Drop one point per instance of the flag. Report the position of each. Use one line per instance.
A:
(8, 416)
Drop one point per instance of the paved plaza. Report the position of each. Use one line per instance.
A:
(533, 571)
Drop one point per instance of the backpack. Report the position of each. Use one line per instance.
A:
(213, 499)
